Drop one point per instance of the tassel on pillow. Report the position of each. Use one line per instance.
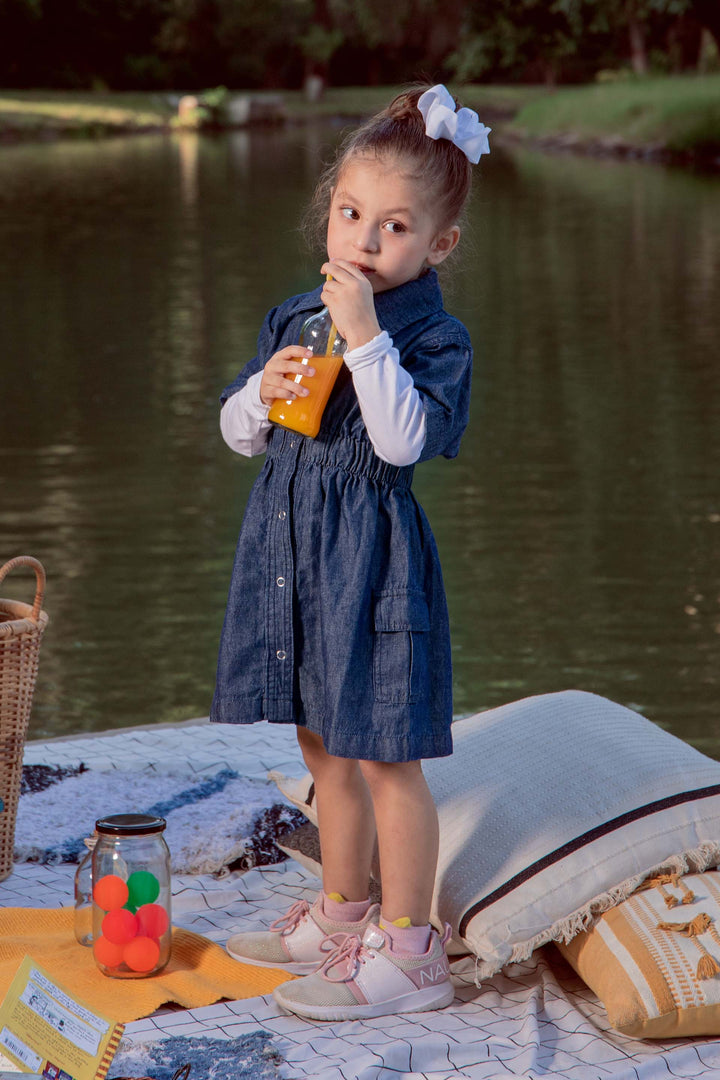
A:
(708, 966)
(661, 880)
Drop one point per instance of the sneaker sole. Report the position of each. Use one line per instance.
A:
(433, 997)
(295, 967)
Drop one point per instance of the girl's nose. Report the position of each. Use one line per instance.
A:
(367, 239)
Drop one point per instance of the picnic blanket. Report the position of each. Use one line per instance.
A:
(199, 972)
(533, 1020)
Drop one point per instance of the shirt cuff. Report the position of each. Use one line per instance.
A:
(369, 352)
(255, 405)
(243, 419)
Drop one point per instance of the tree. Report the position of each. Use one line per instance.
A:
(207, 42)
(707, 12)
(549, 38)
(634, 18)
(512, 37)
(321, 40)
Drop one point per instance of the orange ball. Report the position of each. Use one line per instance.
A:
(153, 919)
(106, 953)
(120, 926)
(110, 892)
(142, 954)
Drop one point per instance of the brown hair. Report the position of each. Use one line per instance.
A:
(399, 131)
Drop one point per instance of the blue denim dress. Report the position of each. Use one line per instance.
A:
(336, 618)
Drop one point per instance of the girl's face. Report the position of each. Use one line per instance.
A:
(381, 221)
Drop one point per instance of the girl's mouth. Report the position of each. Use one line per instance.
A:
(364, 269)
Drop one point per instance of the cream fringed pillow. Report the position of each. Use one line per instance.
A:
(552, 810)
(654, 960)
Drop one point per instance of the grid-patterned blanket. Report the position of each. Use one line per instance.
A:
(533, 1020)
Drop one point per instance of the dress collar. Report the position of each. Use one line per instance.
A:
(400, 307)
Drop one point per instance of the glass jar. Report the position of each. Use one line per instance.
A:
(304, 414)
(83, 895)
(131, 896)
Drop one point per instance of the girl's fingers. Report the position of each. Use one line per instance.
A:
(289, 391)
(281, 371)
(282, 388)
(288, 362)
(342, 271)
(289, 353)
(294, 367)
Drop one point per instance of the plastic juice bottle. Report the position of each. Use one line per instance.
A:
(303, 414)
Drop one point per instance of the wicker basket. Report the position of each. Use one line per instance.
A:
(21, 630)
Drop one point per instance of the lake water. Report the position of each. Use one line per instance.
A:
(580, 527)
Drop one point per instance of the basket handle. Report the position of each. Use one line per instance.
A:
(34, 564)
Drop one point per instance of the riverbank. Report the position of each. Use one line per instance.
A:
(46, 114)
(674, 117)
(52, 114)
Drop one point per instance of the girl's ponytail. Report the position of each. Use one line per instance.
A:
(398, 132)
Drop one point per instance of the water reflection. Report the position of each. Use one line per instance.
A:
(593, 520)
(578, 528)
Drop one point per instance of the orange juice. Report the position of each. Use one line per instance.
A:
(303, 414)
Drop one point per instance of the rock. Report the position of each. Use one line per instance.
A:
(243, 110)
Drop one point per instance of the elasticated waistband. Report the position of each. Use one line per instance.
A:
(355, 456)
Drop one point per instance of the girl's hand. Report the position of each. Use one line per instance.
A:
(349, 297)
(286, 361)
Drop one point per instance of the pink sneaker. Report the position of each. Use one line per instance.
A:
(363, 978)
(298, 941)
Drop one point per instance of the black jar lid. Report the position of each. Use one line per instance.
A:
(130, 824)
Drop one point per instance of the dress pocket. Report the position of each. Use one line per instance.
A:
(401, 673)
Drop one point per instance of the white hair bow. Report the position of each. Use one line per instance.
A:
(462, 128)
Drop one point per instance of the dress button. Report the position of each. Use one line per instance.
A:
(292, 444)
(281, 654)
(282, 515)
(280, 582)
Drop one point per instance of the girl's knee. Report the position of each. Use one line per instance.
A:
(380, 775)
(317, 759)
(310, 744)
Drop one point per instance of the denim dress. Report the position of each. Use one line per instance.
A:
(336, 618)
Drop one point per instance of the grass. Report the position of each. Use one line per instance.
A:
(675, 114)
(354, 101)
(61, 112)
(678, 114)
(32, 113)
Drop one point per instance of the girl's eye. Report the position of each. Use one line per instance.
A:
(348, 212)
(394, 227)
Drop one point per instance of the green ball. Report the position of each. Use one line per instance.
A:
(143, 887)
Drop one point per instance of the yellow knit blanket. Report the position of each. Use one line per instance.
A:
(199, 971)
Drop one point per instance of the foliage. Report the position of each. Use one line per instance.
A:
(576, 38)
(318, 44)
(188, 44)
(498, 41)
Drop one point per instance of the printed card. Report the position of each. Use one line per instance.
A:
(47, 1032)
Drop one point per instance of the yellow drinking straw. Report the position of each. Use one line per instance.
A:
(332, 333)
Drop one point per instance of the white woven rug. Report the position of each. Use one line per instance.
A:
(212, 822)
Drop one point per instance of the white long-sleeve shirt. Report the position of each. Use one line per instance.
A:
(391, 407)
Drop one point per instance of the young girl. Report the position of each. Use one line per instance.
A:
(336, 619)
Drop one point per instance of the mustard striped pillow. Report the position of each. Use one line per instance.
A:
(654, 960)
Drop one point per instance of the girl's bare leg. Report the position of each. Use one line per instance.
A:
(408, 835)
(345, 818)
